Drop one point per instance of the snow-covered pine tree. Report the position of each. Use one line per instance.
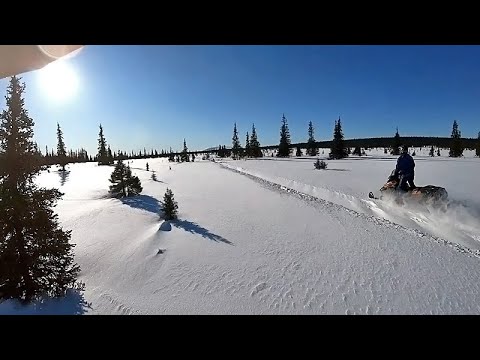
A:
(432, 151)
(36, 257)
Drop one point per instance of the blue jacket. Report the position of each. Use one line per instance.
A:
(405, 165)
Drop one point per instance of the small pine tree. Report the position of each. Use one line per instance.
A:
(456, 147)
(154, 176)
(109, 155)
(385, 151)
(357, 151)
(185, 157)
(477, 148)
(147, 167)
(414, 153)
(123, 183)
(236, 147)
(284, 145)
(247, 146)
(299, 151)
(255, 150)
(432, 151)
(193, 157)
(102, 156)
(396, 145)
(36, 257)
(338, 149)
(312, 149)
(170, 206)
(438, 152)
(61, 152)
(320, 164)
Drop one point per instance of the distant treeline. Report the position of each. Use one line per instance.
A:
(386, 142)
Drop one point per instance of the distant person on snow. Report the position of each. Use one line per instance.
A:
(405, 170)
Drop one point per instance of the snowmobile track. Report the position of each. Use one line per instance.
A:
(331, 208)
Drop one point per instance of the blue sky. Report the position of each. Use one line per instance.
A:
(154, 96)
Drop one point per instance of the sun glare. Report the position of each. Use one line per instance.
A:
(58, 80)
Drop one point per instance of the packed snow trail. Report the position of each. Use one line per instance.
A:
(242, 247)
(460, 223)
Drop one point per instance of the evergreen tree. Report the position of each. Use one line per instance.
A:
(247, 146)
(102, 155)
(123, 182)
(312, 149)
(438, 152)
(147, 167)
(477, 149)
(397, 143)
(456, 147)
(154, 176)
(255, 150)
(284, 145)
(170, 206)
(61, 153)
(236, 147)
(36, 258)
(357, 151)
(299, 151)
(185, 152)
(320, 164)
(109, 155)
(193, 157)
(432, 151)
(338, 149)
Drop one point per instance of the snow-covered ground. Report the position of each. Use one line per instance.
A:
(263, 237)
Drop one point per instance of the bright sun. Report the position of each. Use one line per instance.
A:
(58, 80)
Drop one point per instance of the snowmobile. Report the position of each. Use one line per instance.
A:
(427, 195)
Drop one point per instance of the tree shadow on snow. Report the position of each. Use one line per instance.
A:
(73, 303)
(144, 202)
(63, 176)
(194, 228)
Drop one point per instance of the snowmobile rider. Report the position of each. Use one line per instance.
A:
(405, 170)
